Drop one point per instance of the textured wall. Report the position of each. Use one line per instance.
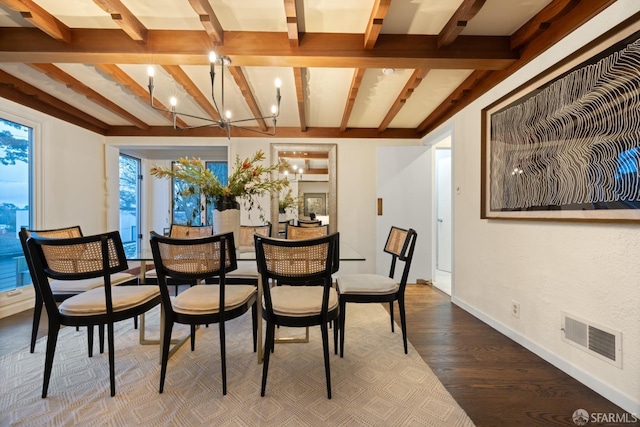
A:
(590, 270)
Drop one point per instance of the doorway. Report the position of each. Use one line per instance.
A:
(442, 276)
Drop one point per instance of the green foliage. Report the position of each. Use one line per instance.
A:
(14, 149)
(248, 180)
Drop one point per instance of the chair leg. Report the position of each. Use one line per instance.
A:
(336, 327)
(343, 315)
(325, 349)
(112, 362)
(403, 323)
(268, 346)
(90, 339)
(193, 337)
(135, 322)
(101, 337)
(223, 357)
(37, 313)
(52, 339)
(254, 323)
(391, 314)
(166, 343)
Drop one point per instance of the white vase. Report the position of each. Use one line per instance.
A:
(226, 218)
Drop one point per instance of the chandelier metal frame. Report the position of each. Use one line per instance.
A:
(225, 122)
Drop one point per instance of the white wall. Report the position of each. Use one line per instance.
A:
(591, 270)
(69, 181)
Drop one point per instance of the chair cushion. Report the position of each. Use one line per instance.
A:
(205, 299)
(92, 302)
(374, 284)
(152, 274)
(77, 286)
(300, 301)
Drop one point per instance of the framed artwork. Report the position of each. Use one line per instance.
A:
(566, 145)
(315, 203)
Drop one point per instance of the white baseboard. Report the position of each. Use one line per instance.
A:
(606, 390)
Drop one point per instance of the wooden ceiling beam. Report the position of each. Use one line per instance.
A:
(25, 94)
(258, 49)
(209, 20)
(413, 82)
(572, 20)
(356, 81)
(300, 78)
(80, 88)
(40, 18)
(283, 132)
(304, 155)
(541, 21)
(465, 13)
(117, 75)
(293, 30)
(122, 16)
(378, 13)
(247, 93)
(191, 88)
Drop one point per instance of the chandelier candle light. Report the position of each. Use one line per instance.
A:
(225, 122)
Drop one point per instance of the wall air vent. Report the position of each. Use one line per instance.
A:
(603, 343)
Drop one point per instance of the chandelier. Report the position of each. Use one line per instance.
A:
(225, 122)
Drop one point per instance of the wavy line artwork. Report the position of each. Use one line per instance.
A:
(573, 143)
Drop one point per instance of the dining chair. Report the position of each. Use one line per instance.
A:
(282, 227)
(306, 296)
(62, 289)
(247, 243)
(309, 222)
(84, 258)
(295, 232)
(180, 231)
(367, 288)
(198, 260)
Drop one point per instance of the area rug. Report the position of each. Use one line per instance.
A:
(375, 384)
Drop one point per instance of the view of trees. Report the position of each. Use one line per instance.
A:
(14, 200)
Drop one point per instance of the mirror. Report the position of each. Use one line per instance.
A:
(318, 180)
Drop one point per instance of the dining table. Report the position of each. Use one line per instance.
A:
(245, 258)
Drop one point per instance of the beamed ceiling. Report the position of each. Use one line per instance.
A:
(85, 61)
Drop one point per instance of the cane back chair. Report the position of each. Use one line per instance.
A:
(200, 260)
(306, 296)
(83, 258)
(366, 288)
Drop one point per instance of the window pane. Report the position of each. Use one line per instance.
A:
(221, 171)
(129, 203)
(186, 209)
(15, 196)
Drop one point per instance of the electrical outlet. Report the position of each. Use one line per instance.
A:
(515, 309)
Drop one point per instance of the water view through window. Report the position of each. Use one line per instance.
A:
(15, 196)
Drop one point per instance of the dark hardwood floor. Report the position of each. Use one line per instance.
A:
(496, 381)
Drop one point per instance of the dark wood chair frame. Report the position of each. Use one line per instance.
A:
(24, 235)
(405, 255)
(321, 278)
(176, 231)
(56, 319)
(228, 259)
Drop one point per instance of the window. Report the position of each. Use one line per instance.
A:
(15, 201)
(130, 203)
(187, 210)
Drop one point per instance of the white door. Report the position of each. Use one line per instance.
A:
(443, 209)
(403, 185)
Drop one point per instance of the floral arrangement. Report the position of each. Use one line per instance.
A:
(289, 202)
(249, 179)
